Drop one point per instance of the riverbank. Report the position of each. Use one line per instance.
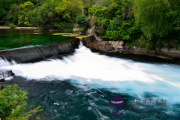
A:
(120, 47)
(20, 28)
(75, 28)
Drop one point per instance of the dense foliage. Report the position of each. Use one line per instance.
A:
(112, 19)
(13, 104)
(157, 17)
(41, 13)
(82, 22)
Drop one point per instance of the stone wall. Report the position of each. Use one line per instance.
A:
(88, 39)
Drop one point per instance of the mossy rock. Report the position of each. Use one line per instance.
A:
(96, 52)
(164, 57)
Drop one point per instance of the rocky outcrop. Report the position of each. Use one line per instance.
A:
(98, 38)
(119, 46)
(91, 42)
(5, 74)
(88, 39)
(2, 80)
(106, 46)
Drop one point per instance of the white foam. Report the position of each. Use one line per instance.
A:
(86, 67)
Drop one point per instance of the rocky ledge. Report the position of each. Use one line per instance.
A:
(106, 46)
(119, 46)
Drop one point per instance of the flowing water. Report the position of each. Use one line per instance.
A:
(79, 86)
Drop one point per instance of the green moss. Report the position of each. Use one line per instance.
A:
(124, 53)
(164, 57)
(96, 52)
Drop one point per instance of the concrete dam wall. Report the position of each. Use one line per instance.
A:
(31, 54)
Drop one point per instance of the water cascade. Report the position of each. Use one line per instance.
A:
(31, 54)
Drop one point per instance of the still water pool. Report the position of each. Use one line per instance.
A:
(11, 39)
(79, 86)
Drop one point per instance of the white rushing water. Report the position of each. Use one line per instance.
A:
(85, 67)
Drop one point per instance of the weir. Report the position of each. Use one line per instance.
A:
(31, 54)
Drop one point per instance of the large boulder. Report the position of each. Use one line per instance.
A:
(117, 45)
(107, 46)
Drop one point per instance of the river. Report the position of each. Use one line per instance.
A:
(79, 86)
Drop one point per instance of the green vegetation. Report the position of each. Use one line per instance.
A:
(13, 104)
(41, 13)
(126, 20)
(12, 26)
(82, 22)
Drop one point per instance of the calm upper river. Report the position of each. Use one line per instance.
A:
(79, 86)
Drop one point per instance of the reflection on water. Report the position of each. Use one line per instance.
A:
(10, 39)
(80, 86)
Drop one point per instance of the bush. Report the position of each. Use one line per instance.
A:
(12, 26)
(82, 22)
(59, 26)
(13, 104)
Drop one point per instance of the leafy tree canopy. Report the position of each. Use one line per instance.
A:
(156, 17)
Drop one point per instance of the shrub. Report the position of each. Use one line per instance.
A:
(82, 22)
(13, 104)
(12, 26)
(59, 26)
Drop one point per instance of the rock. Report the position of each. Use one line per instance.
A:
(1, 87)
(109, 47)
(2, 80)
(12, 74)
(6, 73)
(101, 47)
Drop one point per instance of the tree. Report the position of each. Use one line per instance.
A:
(74, 8)
(60, 5)
(13, 13)
(156, 16)
(2, 10)
(82, 21)
(24, 10)
(13, 104)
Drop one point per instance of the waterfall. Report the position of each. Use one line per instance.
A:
(31, 54)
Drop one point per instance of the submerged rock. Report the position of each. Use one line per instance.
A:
(5, 74)
(2, 80)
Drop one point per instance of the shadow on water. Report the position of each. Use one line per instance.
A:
(144, 58)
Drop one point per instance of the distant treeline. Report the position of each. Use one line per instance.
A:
(41, 13)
